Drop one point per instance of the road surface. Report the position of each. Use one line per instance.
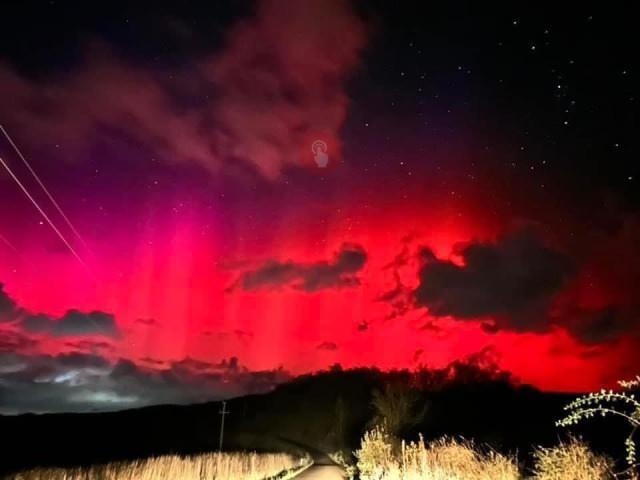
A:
(321, 472)
(323, 467)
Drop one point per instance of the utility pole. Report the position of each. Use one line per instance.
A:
(223, 413)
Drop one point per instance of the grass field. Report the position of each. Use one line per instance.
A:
(213, 466)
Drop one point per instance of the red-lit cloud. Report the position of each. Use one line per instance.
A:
(511, 282)
(337, 273)
(89, 382)
(279, 81)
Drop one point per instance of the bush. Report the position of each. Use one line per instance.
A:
(571, 461)
(607, 403)
(375, 458)
(345, 460)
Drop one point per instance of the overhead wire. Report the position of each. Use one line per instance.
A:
(43, 187)
(45, 216)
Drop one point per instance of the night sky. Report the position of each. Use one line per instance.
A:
(481, 199)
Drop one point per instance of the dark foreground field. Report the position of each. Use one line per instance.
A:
(324, 412)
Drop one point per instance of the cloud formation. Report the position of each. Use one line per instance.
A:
(279, 78)
(8, 308)
(309, 277)
(520, 284)
(15, 341)
(93, 377)
(74, 323)
(599, 325)
(512, 282)
(602, 303)
(329, 346)
(79, 382)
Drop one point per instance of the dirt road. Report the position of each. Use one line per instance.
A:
(323, 467)
(322, 472)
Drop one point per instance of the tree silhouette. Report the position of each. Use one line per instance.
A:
(398, 408)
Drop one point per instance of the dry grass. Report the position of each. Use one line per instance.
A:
(382, 457)
(441, 460)
(571, 461)
(213, 466)
(453, 460)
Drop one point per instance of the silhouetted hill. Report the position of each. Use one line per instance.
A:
(326, 411)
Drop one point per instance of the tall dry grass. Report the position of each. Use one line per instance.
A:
(213, 466)
(445, 459)
(455, 460)
(383, 457)
(571, 461)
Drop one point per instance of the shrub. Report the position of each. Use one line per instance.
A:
(608, 403)
(345, 460)
(571, 461)
(375, 458)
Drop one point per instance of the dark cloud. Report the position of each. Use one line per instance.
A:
(8, 308)
(363, 326)
(11, 363)
(193, 364)
(593, 326)
(89, 345)
(231, 364)
(520, 284)
(602, 302)
(81, 382)
(152, 361)
(309, 277)
(241, 335)
(610, 279)
(329, 346)
(417, 354)
(73, 324)
(81, 360)
(433, 328)
(512, 282)
(148, 322)
(15, 341)
(400, 298)
(272, 274)
(280, 76)
(38, 323)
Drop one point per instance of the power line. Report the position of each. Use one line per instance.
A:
(7, 243)
(44, 215)
(44, 188)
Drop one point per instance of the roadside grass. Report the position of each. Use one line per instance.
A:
(212, 466)
(383, 457)
(445, 459)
